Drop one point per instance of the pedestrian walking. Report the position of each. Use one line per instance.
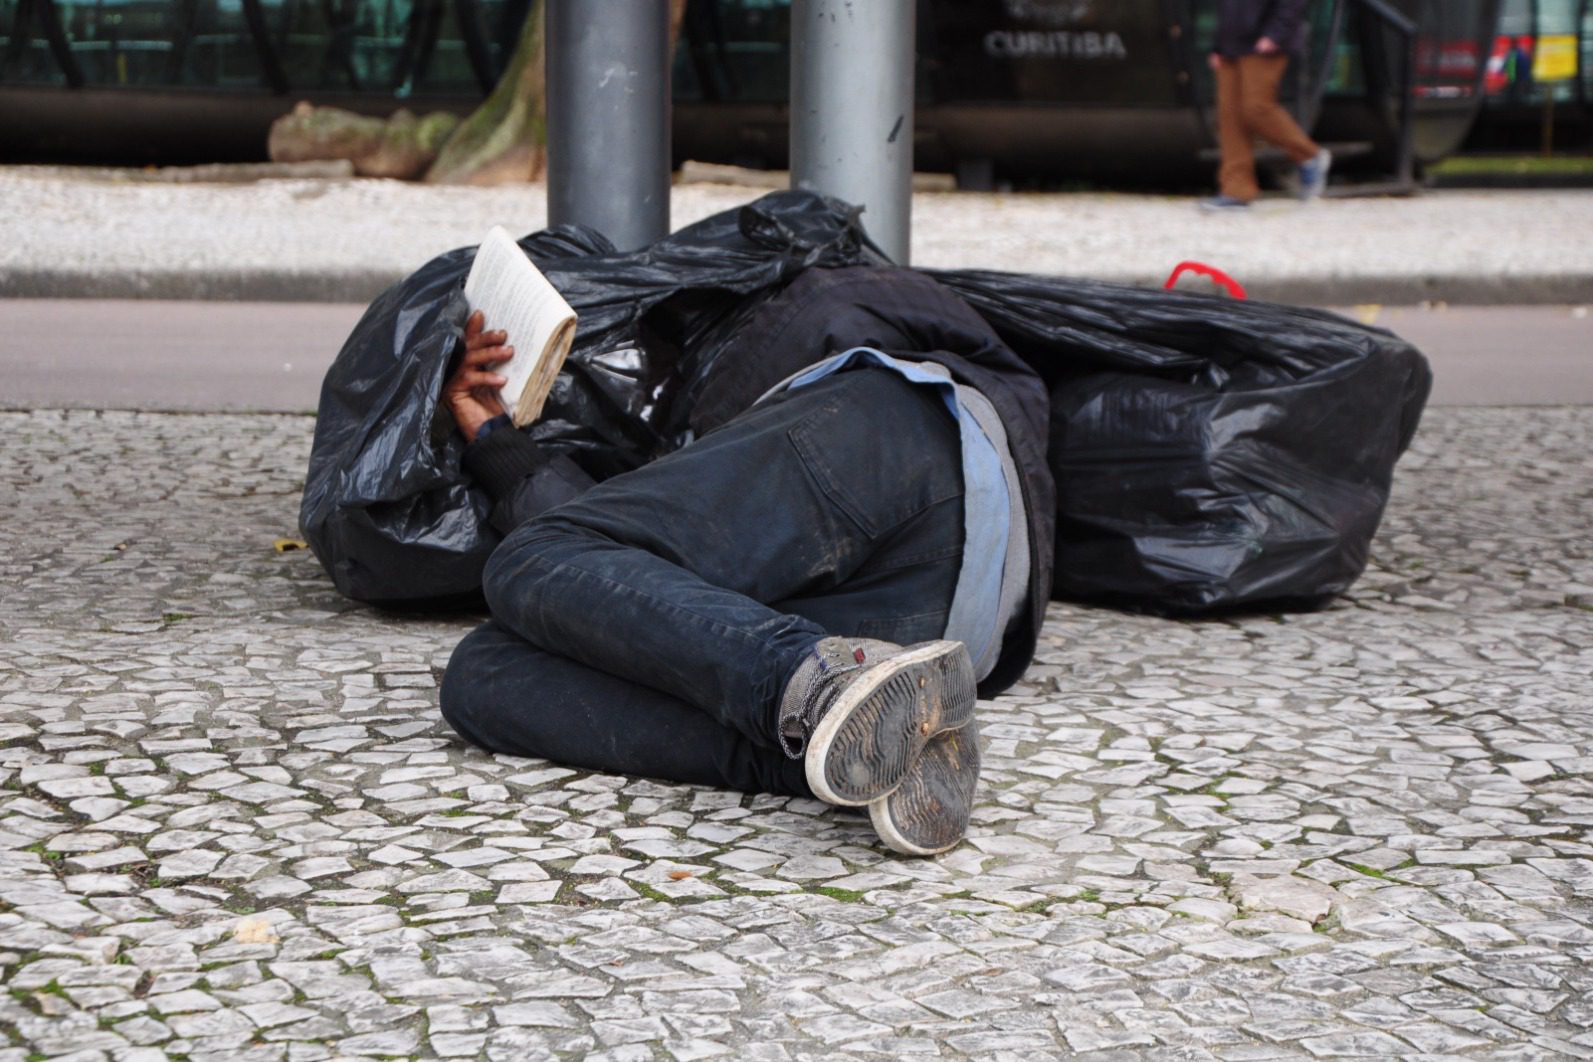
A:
(1255, 41)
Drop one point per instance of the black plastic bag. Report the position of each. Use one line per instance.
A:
(1209, 453)
(386, 508)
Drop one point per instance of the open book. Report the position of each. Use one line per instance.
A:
(514, 297)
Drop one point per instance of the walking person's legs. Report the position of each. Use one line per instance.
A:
(1265, 117)
(1248, 109)
(1236, 172)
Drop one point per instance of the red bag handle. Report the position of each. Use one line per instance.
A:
(1223, 280)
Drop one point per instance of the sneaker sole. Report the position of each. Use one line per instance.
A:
(867, 741)
(928, 813)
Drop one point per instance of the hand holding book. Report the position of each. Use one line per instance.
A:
(516, 298)
(504, 287)
(473, 392)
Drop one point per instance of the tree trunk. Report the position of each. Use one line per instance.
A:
(505, 139)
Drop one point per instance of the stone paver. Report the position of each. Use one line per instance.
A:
(233, 826)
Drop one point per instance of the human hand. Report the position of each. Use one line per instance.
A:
(1266, 46)
(472, 391)
(1214, 61)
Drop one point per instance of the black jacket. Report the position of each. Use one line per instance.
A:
(1240, 23)
(823, 312)
(907, 314)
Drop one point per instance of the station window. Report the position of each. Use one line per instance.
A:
(24, 49)
(120, 42)
(1557, 26)
(1448, 52)
(1585, 54)
(342, 44)
(395, 47)
(217, 49)
(734, 50)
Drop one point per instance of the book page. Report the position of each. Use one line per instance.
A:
(516, 298)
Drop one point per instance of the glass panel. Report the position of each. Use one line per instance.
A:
(1522, 29)
(8, 23)
(368, 45)
(1557, 18)
(1320, 16)
(382, 46)
(219, 51)
(1203, 23)
(119, 42)
(379, 42)
(339, 44)
(500, 26)
(29, 60)
(1585, 56)
(447, 69)
(1346, 73)
(734, 50)
(135, 43)
(1448, 47)
(1509, 73)
(24, 52)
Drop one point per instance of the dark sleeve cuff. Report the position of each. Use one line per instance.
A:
(501, 460)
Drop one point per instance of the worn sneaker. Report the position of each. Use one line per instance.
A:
(859, 712)
(1313, 174)
(928, 813)
(1223, 204)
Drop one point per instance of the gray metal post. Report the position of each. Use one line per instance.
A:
(608, 117)
(852, 109)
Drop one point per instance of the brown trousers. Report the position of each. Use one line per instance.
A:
(1247, 108)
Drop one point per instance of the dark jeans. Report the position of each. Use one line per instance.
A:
(650, 626)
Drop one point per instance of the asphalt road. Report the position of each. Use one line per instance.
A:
(270, 357)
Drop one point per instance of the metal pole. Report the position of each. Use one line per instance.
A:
(852, 109)
(608, 117)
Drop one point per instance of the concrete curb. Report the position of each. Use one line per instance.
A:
(282, 285)
(265, 285)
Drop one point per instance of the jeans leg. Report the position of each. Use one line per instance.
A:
(1264, 116)
(507, 696)
(663, 576)
(1236, 173)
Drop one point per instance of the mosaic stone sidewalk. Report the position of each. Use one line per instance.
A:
(233, 826)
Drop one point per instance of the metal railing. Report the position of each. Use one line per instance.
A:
(1403, 28)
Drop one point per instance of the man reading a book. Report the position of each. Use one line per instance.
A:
(806, 599)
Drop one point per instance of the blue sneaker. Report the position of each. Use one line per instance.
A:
(1223, 204)
(1314, 175)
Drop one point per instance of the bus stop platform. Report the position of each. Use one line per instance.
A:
(87, 233)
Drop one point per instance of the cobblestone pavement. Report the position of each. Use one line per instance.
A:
(233, 826)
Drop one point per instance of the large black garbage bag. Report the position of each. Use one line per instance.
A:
(386, 507)
(1208, 453)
